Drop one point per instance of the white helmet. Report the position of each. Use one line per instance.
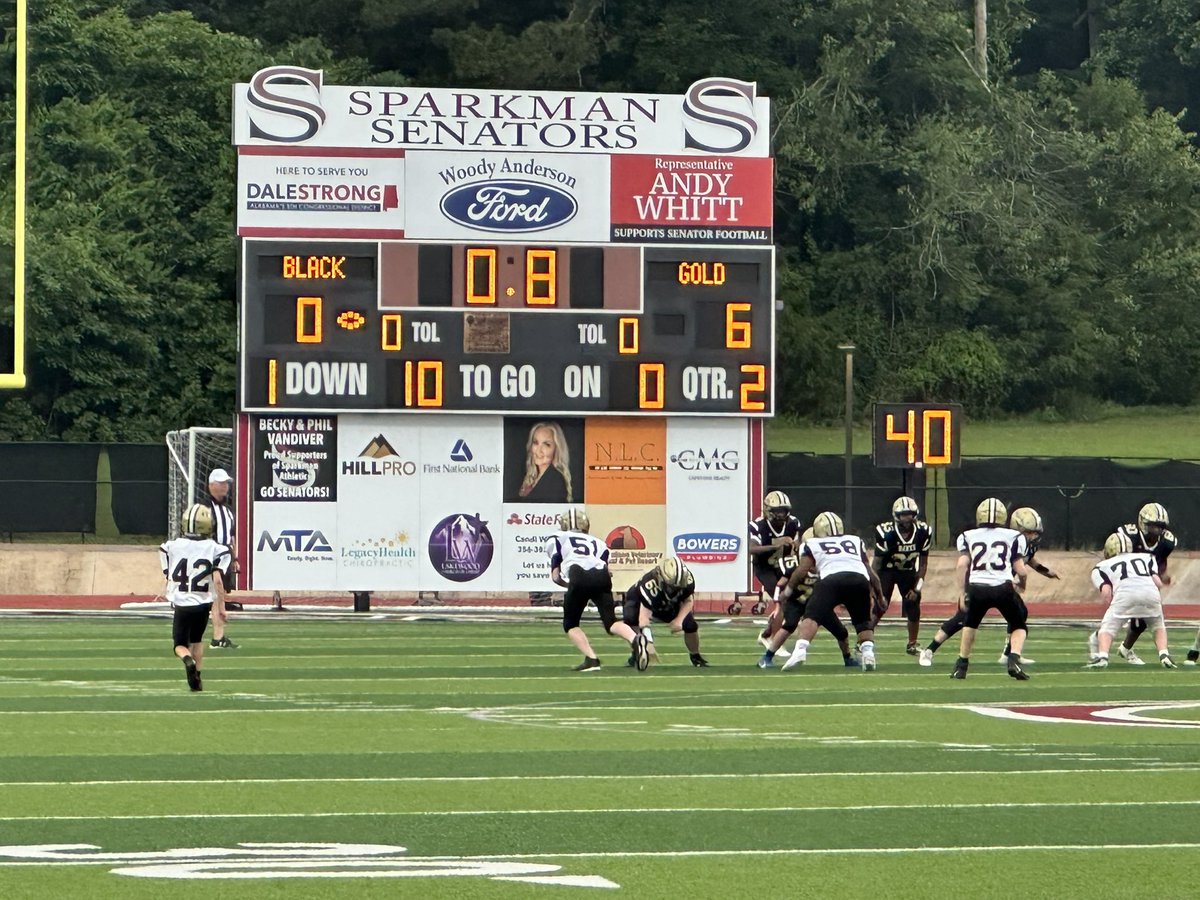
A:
(1118, 542)
(574, 520)
(1026, 519)
(777, 505)
(197, 520)
(828, 524)
(990, 512)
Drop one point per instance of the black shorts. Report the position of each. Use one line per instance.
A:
(906, 581)
(846, 589)
(189, 623)
(589, 586)
(1001, 597)
(769, 578)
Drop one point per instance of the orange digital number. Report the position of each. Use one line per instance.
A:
(390, 334)
(757, 385)
(419, 387)
(541, 286)
(909, 437)
(737, 332)
(651, 375)
(481, 275)
(946, 417)
(272, 379)
(627, 335)
(308, 320)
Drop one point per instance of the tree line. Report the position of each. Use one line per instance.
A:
(1017, 236)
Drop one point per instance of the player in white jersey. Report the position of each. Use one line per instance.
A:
(1129, 583)
(991, 555)
(193, 565)
(579, 562)
(845, 578)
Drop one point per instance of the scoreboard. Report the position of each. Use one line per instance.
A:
(462, 311)
(432, 327)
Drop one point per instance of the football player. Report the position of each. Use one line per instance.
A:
(772, 546)
(844, 578)
(832, 623)
(991, 557)
(1029, 522)
(665, 594)
(1129, 585)
(1148, 535)
(901, 558)
(193, 565)
(579, 562)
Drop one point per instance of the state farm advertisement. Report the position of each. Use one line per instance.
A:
(685, 199)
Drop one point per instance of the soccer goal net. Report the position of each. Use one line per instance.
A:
(194, 453)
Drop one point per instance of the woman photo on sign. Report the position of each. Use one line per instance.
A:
(547, 476)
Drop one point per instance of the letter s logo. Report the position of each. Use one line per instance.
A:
(260, 95)
(697, 105)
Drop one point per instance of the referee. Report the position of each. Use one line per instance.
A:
(221, 503)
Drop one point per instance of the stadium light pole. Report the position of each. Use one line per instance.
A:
(16, 378)
(847, 349)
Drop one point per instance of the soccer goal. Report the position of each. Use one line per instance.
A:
(194, 453)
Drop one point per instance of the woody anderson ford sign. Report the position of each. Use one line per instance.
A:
(292, 106)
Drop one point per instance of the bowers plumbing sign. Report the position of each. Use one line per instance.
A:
(292, 106)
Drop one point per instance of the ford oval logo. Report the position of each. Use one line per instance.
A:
(509, 206)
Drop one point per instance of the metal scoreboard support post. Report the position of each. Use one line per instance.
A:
(461, 311)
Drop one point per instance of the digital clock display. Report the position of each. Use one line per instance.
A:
(406, 326)
(916, 435)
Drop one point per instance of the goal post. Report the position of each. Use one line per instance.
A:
(194, 452)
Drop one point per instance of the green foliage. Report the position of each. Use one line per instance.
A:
(1029, 241)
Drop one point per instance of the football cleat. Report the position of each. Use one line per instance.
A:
(960, 672)
(591, 664)
(1015, 671)
(913, 649)
(1099, 662)
(868, 662)
(1024, 660)
(849, 662)
(925, 658)
(222, 644)
(1166, 662)
(765, 662)
(699, 661)
(192, 674)
(766, 642)
(1193, 658)
(797, 658)
(641, 652)
(1130, 657)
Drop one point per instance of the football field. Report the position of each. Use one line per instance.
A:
(442, 758)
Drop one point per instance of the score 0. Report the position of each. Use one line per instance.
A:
(916, 435)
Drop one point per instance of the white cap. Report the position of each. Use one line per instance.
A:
(219, 475)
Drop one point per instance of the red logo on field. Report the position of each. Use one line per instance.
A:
(1137, 715)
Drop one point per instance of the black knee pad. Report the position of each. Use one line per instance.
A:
(690, 625)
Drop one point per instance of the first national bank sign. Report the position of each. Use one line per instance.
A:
(288, 105)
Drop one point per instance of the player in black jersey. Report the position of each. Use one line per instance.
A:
(1148, 535)
(1029, 523)
(664, 594)
(901, 558)
(774, 538)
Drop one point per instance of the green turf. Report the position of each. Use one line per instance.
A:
(475, 744)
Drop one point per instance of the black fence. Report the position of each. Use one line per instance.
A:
(83, 488)
(1081, 499)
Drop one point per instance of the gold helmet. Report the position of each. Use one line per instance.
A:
(1118, 542)
(1026, 519)
(990, 512)
(672, 573)
(808, 532)
(828, 524)
(777, 506)
(905, 506)
(574, 520)
(197, 520)
(1152, 514)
